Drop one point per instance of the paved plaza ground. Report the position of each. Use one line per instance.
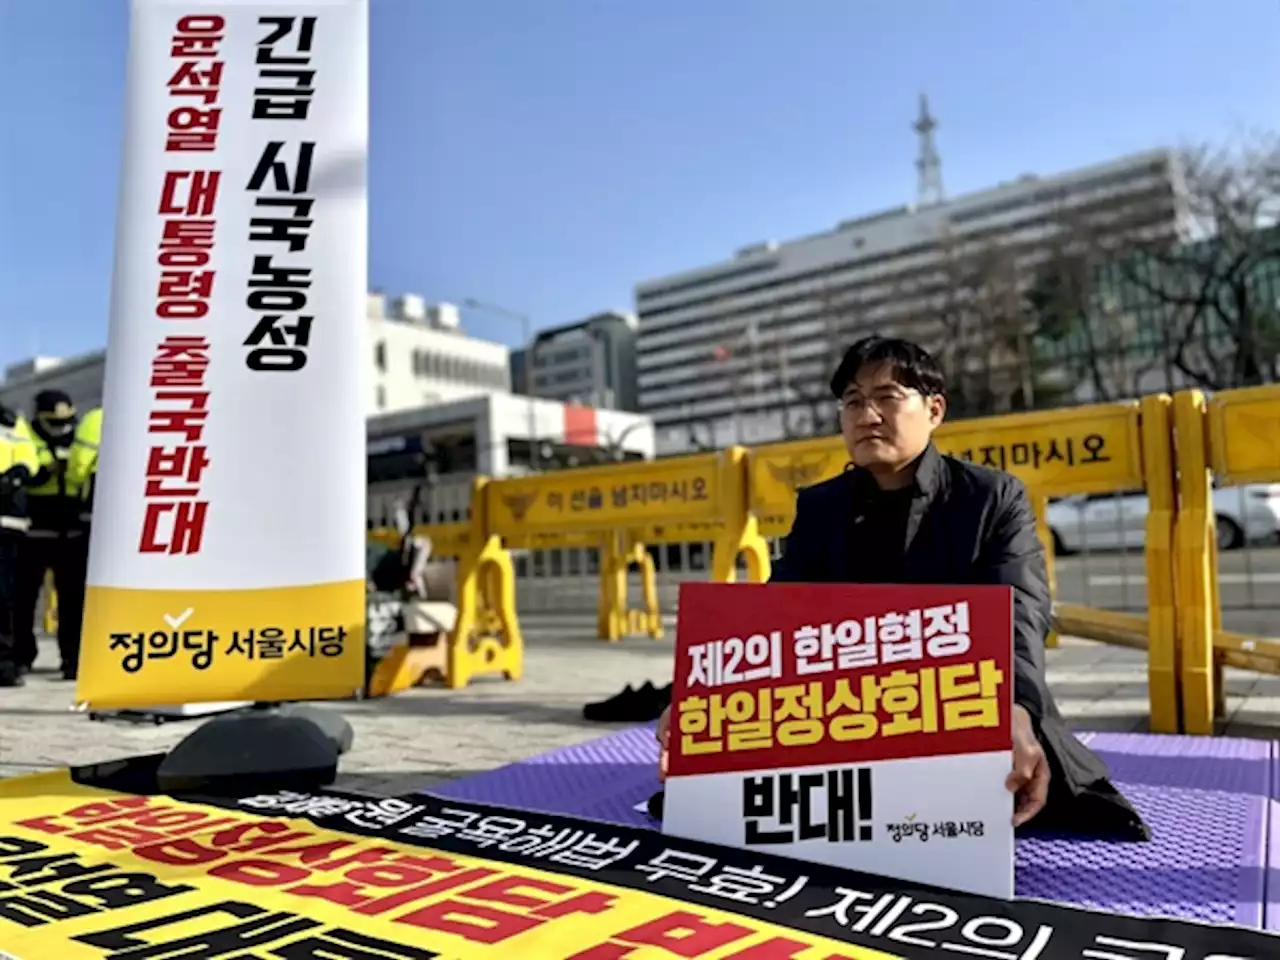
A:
(426, 736)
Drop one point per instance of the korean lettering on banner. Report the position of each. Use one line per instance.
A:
(175, 513)
(755, 887)
(280, 227)
(45, 886)
(441, 887)
(907, 925)
(238, 926)
(253, 643)
(481, 902)
(1031, 454)
(685, 932)
(882, 678)
(935, 926)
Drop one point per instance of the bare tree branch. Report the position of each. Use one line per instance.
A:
(1216, 289)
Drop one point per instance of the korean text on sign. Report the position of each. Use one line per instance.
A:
(281, 181)
(1033, 454)
(627, 495)
(884, 667)
(200, 646)
(908, 636)
(175, 512)
(928, 700)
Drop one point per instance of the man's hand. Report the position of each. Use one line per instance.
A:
(1029, 780)
(664, 735)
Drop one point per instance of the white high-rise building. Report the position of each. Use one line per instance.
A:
(717, 344)
(421, 357)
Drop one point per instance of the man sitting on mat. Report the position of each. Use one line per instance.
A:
(935, 519)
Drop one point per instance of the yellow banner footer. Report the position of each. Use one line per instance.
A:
(148, 647)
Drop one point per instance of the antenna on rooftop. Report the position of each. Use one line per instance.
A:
(928, 163)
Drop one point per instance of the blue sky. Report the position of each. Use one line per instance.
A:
(549, 154)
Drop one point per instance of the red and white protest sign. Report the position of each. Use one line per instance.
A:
(866, 727)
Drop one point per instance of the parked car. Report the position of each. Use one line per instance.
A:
(1110, 521)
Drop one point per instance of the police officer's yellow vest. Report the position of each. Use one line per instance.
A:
(16, 450)
(82, 467)
(54, 486)
(83, 463)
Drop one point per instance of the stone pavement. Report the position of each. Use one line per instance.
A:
(426, 736)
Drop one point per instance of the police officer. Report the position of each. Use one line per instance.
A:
(83, 464)
(82, 469)
(18, 464)
(56, 534)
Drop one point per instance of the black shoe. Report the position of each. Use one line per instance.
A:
(656, 803)
(631, 705)
(11, 678)
(68, 674)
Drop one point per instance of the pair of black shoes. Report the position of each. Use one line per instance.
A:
(642, 704)
(14, 676)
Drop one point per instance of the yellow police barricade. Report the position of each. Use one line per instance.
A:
(486, 635)
(417, 659)
(612, 617)
(1195, 564)
(1230, 438)
(616, 618)
(648, 618)
(1090, 449)
(654, 502)
(50, 618)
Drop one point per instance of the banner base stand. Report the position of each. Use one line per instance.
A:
(265, 748)
(182, 711)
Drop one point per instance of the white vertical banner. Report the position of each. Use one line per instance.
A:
(227, 551)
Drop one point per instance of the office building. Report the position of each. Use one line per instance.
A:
(590, 362)
(421, 357)
(740, 351)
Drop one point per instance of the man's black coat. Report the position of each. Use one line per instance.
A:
(964, 524)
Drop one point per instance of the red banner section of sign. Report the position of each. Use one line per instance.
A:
(794, 675)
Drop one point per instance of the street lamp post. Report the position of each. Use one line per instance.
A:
(525, 335)
(615, 444)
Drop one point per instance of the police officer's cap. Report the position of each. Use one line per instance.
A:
(54, 405)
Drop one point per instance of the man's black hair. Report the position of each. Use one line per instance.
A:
(913, 366)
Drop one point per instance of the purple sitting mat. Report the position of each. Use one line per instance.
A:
(1271, 878)
(1206, 800)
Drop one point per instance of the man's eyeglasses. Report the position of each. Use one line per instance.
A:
(882, 402)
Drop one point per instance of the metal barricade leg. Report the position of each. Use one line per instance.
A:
(1163, 688)
(1193, 536)
(1040, 504)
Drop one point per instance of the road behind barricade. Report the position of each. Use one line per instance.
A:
(429, 735)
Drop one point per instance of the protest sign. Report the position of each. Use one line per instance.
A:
(100, 873)
(227, 554)
(861, 726)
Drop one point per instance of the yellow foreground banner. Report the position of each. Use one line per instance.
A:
(92, 873)
(89, 874)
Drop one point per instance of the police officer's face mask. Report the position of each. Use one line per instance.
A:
(53, 425)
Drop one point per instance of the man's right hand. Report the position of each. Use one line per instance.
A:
(664, 737)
